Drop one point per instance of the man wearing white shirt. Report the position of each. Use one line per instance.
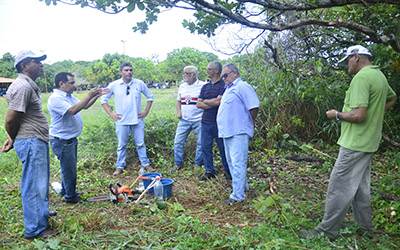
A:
(189, 115)
(66, 125)
(128, 114)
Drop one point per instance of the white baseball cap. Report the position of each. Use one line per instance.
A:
(28, 53)
(356, 49)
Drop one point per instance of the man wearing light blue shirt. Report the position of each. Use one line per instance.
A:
(236, 115)
(66, 125)
(128, 114)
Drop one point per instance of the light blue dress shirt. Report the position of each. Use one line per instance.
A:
(233, 116)
(63, 125)
(128, 102)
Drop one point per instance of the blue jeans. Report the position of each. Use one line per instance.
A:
(67, 152)
(137, 131)
(236, 150)
(34, 156)
(182, 132)
(209, 132)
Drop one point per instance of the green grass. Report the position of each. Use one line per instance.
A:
(285, 197)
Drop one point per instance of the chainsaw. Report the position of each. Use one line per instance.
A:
(118, 194)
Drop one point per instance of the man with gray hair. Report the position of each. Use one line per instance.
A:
(236, 115)
(128, 114)
(189, 116)
(368, 97)
(28, 132)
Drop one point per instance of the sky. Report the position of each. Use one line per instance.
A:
(66, 32)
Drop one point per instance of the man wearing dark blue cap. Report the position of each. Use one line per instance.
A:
(28, 132)
(368, 97)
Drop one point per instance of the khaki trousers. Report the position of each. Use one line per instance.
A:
(349, 184)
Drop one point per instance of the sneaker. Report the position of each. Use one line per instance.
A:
(231, 201)
(176, 167)
(52, 213)
(118, 171)
(43, 235)
(207, 176)
(75, 200)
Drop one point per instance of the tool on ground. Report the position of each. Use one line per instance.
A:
(122, 194)
(148, 187)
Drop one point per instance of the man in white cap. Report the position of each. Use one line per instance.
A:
(28, 132)
(367, 99)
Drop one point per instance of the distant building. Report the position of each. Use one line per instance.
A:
(4, 84)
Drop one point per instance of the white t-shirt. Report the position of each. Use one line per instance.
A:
(188, 95)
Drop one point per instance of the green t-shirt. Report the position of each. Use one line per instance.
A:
(369, 88)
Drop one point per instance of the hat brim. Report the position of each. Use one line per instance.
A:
(343, 61)
(41, 58)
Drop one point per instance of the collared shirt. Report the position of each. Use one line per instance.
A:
(187, 95)
(128, 99)
(63, 125)
(23, 95)
(368, 88)
(234, 116)
(210, 91)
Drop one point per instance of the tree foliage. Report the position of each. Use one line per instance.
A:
(340, 22)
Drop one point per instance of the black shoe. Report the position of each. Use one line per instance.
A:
(43, 235)
(52, 213)
(361, 232)
(228, 176)
(314, 234)
(75, 200)
(231, 201)
(207, 176)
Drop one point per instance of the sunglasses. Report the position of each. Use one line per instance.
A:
(226, 75)
(127, 90)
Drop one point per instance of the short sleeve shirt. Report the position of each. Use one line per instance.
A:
(23, 95)
(210, 91)
(188, 95)
(234, 116)
(368, 88)
(63, 125)
(128, 99)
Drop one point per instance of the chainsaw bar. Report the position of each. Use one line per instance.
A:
(99, 198)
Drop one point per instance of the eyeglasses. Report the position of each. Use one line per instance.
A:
(187, 73)
(127, 90)
(226, 75)
(209, 69)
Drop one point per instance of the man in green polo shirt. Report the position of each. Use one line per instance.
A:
(366, 101)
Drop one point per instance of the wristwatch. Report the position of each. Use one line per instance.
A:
(337, 117)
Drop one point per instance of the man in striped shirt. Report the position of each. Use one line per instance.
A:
(189, 116)
(209, 100)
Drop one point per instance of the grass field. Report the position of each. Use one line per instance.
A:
(285, 197)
